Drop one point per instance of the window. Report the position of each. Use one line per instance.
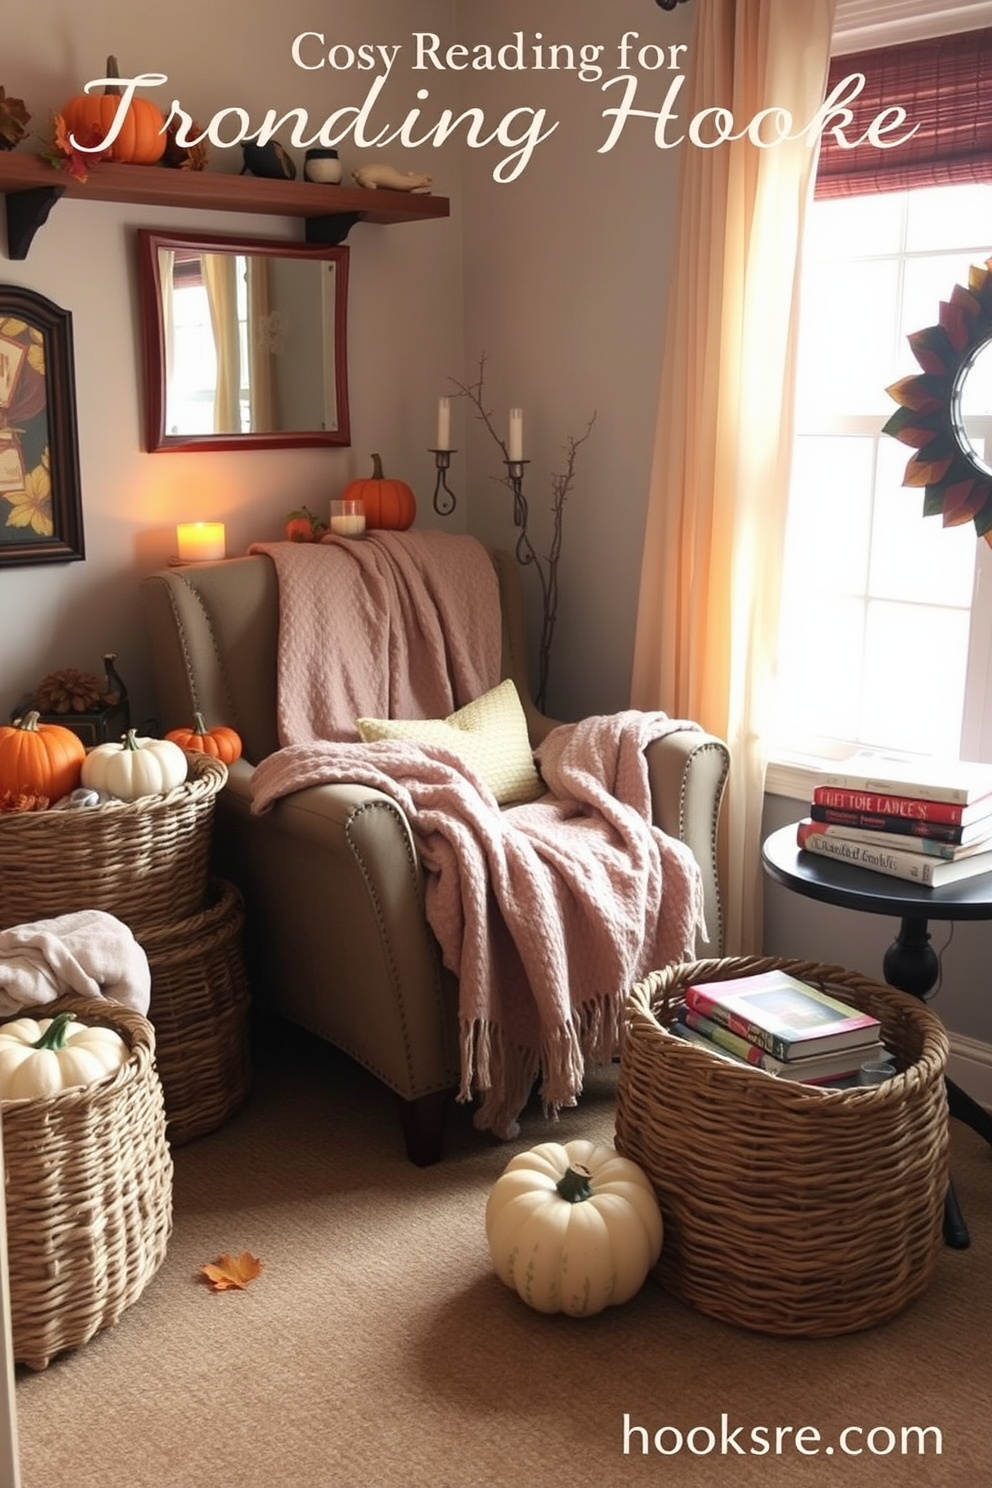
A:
(883, 618)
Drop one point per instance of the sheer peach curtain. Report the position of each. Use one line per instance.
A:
(711, 572)
(219, 278)
(260, 406)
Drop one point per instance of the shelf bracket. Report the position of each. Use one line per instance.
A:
(26, 212)
(332, 229)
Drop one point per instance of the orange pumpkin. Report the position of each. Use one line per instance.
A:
(388, 503)
(43, 758)
(141, 140)
(222, 742)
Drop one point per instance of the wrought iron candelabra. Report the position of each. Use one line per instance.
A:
(444, 504)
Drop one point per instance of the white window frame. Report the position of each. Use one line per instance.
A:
(791, 773)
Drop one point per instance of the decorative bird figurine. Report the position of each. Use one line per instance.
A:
(390, 179)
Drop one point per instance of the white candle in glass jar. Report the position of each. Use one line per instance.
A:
(348, 518)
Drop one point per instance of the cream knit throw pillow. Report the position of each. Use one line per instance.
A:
(490, 734)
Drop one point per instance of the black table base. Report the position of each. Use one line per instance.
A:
(910, 963)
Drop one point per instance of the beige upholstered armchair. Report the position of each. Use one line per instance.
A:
(336, 935)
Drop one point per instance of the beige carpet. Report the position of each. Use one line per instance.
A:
(378, 1347)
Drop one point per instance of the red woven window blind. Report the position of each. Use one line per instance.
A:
(940, 83)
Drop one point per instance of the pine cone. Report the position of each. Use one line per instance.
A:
(68, 691)
(14, 119)
(184, 157)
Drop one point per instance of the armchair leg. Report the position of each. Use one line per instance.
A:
(423, 1126)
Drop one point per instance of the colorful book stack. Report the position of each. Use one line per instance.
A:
(773, 1021)
(925, 820)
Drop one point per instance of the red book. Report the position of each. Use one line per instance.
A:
(910, 808)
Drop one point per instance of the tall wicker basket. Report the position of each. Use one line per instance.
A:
(145, 861)
(88, 1196)
(199, 1007)
(789, 1209)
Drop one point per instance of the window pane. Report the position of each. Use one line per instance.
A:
(955, 218)
(830, 512)
(848, 350)
(928, 282)
(818, 690)
(912, 556)
(873, 222)
(914, 670)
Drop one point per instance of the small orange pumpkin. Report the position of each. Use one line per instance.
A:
(42, 758)
(141, 140)
(222, 742)
(388, 503)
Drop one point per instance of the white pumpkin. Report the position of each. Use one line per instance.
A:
(42, 1057)
(134, 767)
(573, 1227)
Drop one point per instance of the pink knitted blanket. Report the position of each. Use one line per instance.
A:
(395, 625)
(545, 912)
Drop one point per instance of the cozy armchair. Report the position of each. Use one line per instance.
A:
(336, 935)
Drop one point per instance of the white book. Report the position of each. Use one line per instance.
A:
(928, 779)
(914, 866)
(928, 847)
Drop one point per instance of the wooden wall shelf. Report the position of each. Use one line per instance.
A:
(32, 187)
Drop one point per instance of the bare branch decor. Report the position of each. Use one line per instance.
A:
(546, 567)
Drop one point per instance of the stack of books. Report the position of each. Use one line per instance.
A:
(927, 820)
(773, 1021)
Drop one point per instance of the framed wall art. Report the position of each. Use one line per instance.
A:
(41, 517)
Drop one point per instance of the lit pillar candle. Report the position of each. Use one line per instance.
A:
(200, 541)
(515, 446)
(443, 424)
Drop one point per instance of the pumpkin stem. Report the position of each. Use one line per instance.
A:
(130, 739)
(29, 722)
(574, 1185)
(377, 467)
(113, 71)
(199, 726)
(54, 1035)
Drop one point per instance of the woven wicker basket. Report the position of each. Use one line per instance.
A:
(788, 1209)
(89, 1194)
(144, 861)
(199, 1006)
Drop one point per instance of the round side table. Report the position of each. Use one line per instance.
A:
(910, 963)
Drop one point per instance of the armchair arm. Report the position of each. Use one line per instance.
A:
(335, 926)
(687, 772)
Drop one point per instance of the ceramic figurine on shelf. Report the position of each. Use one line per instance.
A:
(268, 160)
(323, 166)
(390, 179)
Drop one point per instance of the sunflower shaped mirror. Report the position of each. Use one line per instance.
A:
(935, 405)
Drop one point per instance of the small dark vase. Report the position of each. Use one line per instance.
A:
(268, 160)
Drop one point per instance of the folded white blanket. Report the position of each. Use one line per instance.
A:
(89, 952)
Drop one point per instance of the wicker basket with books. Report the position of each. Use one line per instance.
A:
(790, 1208)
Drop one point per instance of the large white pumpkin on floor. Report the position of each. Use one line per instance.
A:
(573, 1227)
